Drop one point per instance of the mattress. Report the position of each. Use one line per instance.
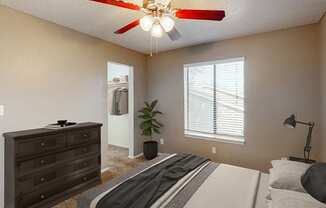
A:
(262, 191)
(224, 185)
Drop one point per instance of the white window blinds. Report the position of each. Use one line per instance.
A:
(214, 99)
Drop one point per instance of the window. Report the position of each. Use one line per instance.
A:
(214, 100)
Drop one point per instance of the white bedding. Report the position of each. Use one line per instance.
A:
(293, 199)
(227, 187)
(263, 192)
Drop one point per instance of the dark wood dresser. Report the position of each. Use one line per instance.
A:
(44, 167)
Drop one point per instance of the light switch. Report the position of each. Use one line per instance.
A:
(2, 110)
(214, 150)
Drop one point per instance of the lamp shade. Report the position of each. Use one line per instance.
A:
(167, 23)
(290, 122)
(157, 30)
(147, 22)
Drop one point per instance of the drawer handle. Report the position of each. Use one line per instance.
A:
(42, 179)
(85, 135)
(42, 162)
(42, 196)
(42, 144)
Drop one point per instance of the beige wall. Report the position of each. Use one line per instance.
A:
(48, 72)
(323, 85)
(281, 77)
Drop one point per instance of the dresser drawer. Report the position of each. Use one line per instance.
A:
(30, 183)
(83, 136)
(46, 166)
(93, 148)
(40, 145)
(35, 165)
(56, 189)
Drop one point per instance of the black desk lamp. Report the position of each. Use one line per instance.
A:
(291, 123)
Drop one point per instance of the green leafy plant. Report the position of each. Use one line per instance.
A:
(150, 125)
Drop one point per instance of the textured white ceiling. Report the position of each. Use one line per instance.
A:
(244, 17)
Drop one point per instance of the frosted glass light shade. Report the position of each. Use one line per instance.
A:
(147, 22)
(167, 23)
(157, 30)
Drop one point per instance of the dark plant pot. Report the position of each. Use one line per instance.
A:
(150, 149)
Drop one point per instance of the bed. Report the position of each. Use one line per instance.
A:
(206, 184)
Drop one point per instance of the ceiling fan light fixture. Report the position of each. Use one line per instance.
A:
(157, 30)
(160, 15)
(163, 2)
(146, 23)
(167, 23)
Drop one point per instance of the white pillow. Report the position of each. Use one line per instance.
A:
(269, 203)
(289, 164)
(287, 175)
(292, 199)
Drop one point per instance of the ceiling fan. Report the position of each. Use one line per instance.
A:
(159, 16)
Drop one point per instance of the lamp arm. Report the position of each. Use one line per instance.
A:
(307, 148)
(291, 122)
(309, 136)
(305, 123)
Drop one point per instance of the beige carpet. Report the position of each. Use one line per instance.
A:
(117, 161)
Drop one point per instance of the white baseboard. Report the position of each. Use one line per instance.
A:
(136, 156)
(104, 169)
(141, 154)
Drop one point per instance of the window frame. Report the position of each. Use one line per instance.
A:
(206, 136)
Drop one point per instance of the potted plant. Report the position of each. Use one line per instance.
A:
(150, 126)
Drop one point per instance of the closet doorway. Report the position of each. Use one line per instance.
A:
(120, 110)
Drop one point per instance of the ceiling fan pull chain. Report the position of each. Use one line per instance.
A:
(151, 45)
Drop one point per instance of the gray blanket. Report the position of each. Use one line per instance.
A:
(145, 188)
(179, 200)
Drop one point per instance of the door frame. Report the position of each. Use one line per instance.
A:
(131, 106)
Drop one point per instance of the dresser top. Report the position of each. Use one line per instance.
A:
(45, 131)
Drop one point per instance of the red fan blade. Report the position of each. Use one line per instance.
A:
(119, 4)
(217, 15)
(127, 27)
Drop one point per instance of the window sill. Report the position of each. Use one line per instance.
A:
(218, 138)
